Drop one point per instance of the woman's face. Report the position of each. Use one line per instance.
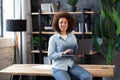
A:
(63, 24)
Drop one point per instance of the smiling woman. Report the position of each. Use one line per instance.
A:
(63, 48)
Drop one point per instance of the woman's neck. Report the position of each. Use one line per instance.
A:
(63, 33)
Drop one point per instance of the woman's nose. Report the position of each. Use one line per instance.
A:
(63, 23)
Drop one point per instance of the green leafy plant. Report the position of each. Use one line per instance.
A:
(35, 41)
(43, 39)
(72, 2)
(106, 32)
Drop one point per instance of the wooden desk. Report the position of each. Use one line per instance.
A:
(45, 70)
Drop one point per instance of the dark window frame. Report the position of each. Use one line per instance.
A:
(1, 18)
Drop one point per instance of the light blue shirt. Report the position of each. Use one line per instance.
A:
(56, 46)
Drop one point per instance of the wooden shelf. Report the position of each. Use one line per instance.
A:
(37, 51)
(88, 32)
(45, 32)
(45, 52)
(77, 12)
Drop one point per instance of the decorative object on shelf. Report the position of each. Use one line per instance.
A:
(44, 43)
(58, 5)
(73, 4)
(48, 28)
(46, 7)
(50, 7)
(106, 33)
(36, 42)
(44, 39)
(55, 6)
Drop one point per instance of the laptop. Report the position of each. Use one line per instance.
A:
(84, 46)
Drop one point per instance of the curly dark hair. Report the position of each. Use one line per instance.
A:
(69, 18)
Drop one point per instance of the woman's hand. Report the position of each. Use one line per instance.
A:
(80, 55)
(68, 51)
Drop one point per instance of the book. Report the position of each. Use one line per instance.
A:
(46, 7)
(48, 28)
(86, 27)
(80, 27)
(54, 7)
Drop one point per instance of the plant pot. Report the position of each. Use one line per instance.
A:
(36, 47)
(73, 8)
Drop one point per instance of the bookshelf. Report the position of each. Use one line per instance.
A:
(37, 18)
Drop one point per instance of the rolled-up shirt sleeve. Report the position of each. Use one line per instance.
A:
(51, 50)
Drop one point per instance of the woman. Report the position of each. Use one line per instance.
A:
(60, 45)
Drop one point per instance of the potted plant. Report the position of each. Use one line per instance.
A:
(44, 43)
(106, 32)
(36, 42)
(72, 3)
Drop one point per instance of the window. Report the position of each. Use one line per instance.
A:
(1, 20)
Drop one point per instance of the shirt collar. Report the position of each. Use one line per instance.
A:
(58, 35)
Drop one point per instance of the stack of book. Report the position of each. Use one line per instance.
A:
(83, 28)
(49, 7)
(48, 28)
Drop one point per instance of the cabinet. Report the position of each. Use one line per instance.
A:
(42, 19)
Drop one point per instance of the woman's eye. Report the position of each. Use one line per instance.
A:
(61, 22)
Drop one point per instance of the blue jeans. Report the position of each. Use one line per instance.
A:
(74, 73)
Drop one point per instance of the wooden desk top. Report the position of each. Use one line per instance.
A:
(45, 70)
